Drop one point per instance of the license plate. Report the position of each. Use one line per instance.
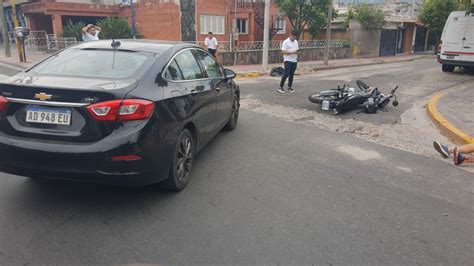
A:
(325, 105)
(45, 115)
(450, 56)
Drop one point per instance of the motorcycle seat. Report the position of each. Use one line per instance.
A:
(329, 93)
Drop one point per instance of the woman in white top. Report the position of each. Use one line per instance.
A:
(90, 33)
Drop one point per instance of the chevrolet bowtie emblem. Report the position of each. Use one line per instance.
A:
(43, 96)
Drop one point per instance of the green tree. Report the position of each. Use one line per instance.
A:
(370, 16)
(305, 14)
(73, 30)
(115, 28)
(434, 13)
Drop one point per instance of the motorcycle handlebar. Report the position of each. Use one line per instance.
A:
(393, 91)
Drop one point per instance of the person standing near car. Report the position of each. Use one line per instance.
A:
(90, 33)
(211, 44)
(289, 49)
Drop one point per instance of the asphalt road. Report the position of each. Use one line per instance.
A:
(270, 192)
(416, 80)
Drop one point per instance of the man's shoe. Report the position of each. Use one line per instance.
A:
(458, 157)
(291, 90)
(281, 90)
(442, 149)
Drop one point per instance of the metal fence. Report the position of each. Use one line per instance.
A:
(35, 42)
(41, 41)
(58, 43)
(274, 45)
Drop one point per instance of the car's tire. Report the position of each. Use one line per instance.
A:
(316, 98)
(234, 115)
(447, 68)
(181, 169)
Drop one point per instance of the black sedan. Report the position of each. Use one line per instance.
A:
(124, 112)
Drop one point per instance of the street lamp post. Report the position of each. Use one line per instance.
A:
(328, 34)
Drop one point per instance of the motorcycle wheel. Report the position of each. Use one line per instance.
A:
(362, 85)
(316, 98)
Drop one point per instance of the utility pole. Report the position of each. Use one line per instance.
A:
(266, 35)
(6, 39)
(132, 11)
(19, 40)
(328, 34)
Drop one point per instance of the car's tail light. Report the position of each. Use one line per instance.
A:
(3, 103)
(122, 110)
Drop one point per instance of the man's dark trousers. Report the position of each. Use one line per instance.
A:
(212, 51)
(290, 68)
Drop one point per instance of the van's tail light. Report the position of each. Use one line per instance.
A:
(121, 110)
(3, 103)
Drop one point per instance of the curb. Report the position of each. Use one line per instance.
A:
(250, 75)
(444, 124)
(14, 65)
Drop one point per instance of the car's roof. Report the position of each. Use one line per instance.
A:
(134, 45)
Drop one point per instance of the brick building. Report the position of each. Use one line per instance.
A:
(176, 20)
(191, 20)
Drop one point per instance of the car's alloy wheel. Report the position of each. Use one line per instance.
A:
(180, 173)
(234, 115)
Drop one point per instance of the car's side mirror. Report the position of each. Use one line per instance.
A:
(229, 74)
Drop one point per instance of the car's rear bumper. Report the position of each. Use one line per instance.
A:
(87, 162)
(456, 62)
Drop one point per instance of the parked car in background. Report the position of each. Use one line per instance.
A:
(457, 42)
(125, 113)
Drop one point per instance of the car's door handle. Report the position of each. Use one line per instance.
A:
(197, 89)
(467, 47)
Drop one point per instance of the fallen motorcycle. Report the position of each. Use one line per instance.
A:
(345, 98)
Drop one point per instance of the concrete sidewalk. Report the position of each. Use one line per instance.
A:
(453, 112)
(14, 61)
(311, 66)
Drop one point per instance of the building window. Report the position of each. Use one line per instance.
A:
(242, 25)
(215, 24)
(280, 24)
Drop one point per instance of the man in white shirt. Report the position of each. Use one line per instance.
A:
(289, 49)
(90, 33)
(211, 44)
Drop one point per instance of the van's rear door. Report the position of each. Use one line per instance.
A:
(468, 40)
(453, 35)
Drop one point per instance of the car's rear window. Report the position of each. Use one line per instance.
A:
(93, 63)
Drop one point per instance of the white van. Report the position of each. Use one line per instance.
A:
(457, 42)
